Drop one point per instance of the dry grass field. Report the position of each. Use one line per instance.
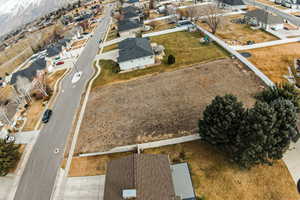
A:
(78, 43)
(274, 61)
(239, 34)
(217, 179)
(159, 106)
(92, 165)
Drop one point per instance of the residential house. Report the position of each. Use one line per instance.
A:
(233, 4)
(264, 19)
(131, 13)
(39, 66)
(135, 53)
(139, 177)
(56, 50)
(128, 28)
(134, 2)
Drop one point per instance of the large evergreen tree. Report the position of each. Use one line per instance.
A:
(259, 135)
(221, 120)
(284, 91)
(9, 156)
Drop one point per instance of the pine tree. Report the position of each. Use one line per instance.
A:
(221, 121)
(9, 155)
(284, 91)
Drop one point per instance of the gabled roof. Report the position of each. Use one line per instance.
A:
(125, 25)
(149, 174)
(234, 2)
(129, 15)
(130, 12)
(133, 9)
(133, 48)
(29, 72)
(264, 16)
(55, 49)
(133, 1)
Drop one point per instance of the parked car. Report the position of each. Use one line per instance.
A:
(10, 138)
(46, 116)
(60, 63)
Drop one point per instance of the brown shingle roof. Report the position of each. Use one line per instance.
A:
(150, 175)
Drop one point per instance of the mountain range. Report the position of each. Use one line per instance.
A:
(15, 13)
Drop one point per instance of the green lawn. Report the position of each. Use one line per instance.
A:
(187, 48)
(184, 46)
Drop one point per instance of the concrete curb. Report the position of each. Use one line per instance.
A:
(57, 191)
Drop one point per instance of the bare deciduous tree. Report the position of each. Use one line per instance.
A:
(212, 16)
(24, 87)
(193, 12)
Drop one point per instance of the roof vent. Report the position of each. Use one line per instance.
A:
(129, 193)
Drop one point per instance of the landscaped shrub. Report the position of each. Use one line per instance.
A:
(284, 91)
(9, 156)
(171, 59)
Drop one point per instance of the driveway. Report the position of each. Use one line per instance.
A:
(26, 137)
(110, 55)
(6, 183)
(85, 188)
(292, 160)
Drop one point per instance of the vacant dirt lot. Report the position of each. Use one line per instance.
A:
(159, 106)
(274, 61)
(239, 34)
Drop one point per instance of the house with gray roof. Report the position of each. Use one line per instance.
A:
(233, 4)
(264, 19)
(30, 72)
(128, 28)
(135, 53)
(131, 13)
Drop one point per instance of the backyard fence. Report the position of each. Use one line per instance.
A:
(252, 67)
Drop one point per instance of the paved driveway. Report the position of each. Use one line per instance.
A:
(6, 183)
(26, 137)
(292, 160)
(85, 188)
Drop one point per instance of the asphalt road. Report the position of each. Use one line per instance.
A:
(293, 19)
(43, 164)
